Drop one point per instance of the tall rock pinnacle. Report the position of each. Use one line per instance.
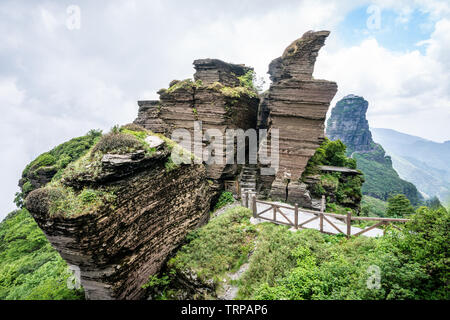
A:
(348, 123)
(296, 105)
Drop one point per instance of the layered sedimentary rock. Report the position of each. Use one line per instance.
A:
(130, 216)
(297, 105)
(210, 71)
(217, 99)
(348, 123)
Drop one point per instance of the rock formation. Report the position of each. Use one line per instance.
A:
(217, 98)
(349, 124)
(297, 105)
(118, 224)
(120, 210)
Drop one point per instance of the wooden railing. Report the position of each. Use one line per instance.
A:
(249, 201)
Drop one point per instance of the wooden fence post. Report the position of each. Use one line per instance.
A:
(349, 224)
(274, 213)
(246, 199)
(254, 206)
(296, 216)
(322, 209)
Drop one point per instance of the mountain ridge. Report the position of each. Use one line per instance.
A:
(421, 161)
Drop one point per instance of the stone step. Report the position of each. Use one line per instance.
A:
(248, 178)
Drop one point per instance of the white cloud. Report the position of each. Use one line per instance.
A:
(407, 91)
(56, 83)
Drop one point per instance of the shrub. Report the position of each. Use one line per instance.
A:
(133, 127)
(399, 206)
(117, 143)
(88, 196)
(224, 199)
(218, 247)
(45, 159)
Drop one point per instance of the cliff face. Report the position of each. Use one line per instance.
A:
(118, 215)
(349, 124)
(217, 98)
(297, 105)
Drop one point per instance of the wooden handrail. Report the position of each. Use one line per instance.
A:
(380, 219)
(275, 204)
(321, 215)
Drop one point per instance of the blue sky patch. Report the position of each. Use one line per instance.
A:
(393, 31)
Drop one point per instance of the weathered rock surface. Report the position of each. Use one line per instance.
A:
(297, 106)
(120, 244)
(39, 177)
(216, 98)
(348, 123)
(210, 71)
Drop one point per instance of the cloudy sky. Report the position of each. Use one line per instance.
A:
(61, 76)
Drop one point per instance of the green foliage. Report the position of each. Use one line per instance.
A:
(65, 201)
(343, 190)
(186, 84)
(274, 256)
(373, 207)
(330, 153)
(238, 92)
(413, 263)
(399, 206)
(57, 158)
(220, 246)
(224, 199)
(30, 269)
(170, 165)
(246, 80)
(381, 180)
(88, 196)
(44, 160)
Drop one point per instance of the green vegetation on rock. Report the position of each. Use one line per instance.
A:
(51, 164)
(224, 199)
(343, 192)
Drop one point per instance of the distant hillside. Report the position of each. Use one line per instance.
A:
(349, 124)
(30, 268)
(423, 162)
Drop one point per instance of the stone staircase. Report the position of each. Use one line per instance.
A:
(248, 178)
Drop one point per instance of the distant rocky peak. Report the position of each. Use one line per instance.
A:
(215, 70)
(349, 124)
(299, 57)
